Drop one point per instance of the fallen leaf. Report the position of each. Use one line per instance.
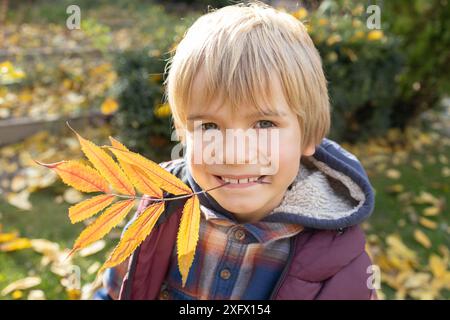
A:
(72, 196)
(21, 284)
(20, 200)
(426, 198)
(431, 211)
(73, 294)
(422, 238)
(18, 183)
(396, 188)
(393, 174)
(36, 295)
(437, 266)
(16, 244)
(17, 294)
(92, 248)
(109, 106)
(427, 223)
(445, 172)
(5, 237)
(45, 247)
(93, 267)
(417, 280)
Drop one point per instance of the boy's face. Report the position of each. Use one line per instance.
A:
(248, 201)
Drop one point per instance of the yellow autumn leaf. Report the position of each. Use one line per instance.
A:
(393, 174)
(135, 234)
(36, 295)
(47, 248)
(375, 35)
(431, 211)
(73, 293)
(93, 248)
(323, 21)
(398, 255)
(137, 176)
(100, 227)
(109, 106)
(417, 280)
(162, 178)
(9, 73)
(417, 164)
(17, 294)
(427, 223)
(72, 196)
(79, 176)
(89, 207)
(422, 238)
(187, 237)
(16, 244)
(18, 183)
(300, 13)
(20, 200)
(445, 172)
(132, 171)
(155, 77)
(437, 266)
(395, 188)
(162, 110)
(5, 237)
(106, 166)
(21, 284)
(426, 198)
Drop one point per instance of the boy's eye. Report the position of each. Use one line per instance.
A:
(209, 125)
(265, 124)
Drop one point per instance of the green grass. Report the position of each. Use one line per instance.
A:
(388, 209)
(47, 220)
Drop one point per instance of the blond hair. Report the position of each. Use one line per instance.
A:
(241, 48)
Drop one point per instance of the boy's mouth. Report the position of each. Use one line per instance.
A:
(242, 180)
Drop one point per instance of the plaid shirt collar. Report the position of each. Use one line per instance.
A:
(263, 231)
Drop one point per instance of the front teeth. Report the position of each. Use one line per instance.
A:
(247, 180)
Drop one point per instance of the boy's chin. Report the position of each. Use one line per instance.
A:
(247, 210)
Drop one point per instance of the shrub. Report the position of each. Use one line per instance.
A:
(143, 122)
(424, 30)
(361, 66)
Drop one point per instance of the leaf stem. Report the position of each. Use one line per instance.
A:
(171, 198)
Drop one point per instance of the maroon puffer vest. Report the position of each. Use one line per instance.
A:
(322, 265)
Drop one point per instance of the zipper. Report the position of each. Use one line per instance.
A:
(280, 281)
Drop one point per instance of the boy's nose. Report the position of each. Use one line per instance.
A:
(246, 150)
(240, 153)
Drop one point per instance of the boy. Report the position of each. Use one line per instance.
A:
(290, 232)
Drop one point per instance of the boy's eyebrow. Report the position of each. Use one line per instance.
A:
(252, 115)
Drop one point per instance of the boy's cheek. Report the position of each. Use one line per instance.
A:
(288, 165)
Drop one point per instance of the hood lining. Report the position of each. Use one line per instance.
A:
(321, 192)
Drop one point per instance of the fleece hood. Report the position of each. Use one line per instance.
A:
(331, 191)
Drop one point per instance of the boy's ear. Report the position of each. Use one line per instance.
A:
(309, 150)
(180, 134)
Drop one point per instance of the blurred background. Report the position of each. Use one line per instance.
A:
(389, 88)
